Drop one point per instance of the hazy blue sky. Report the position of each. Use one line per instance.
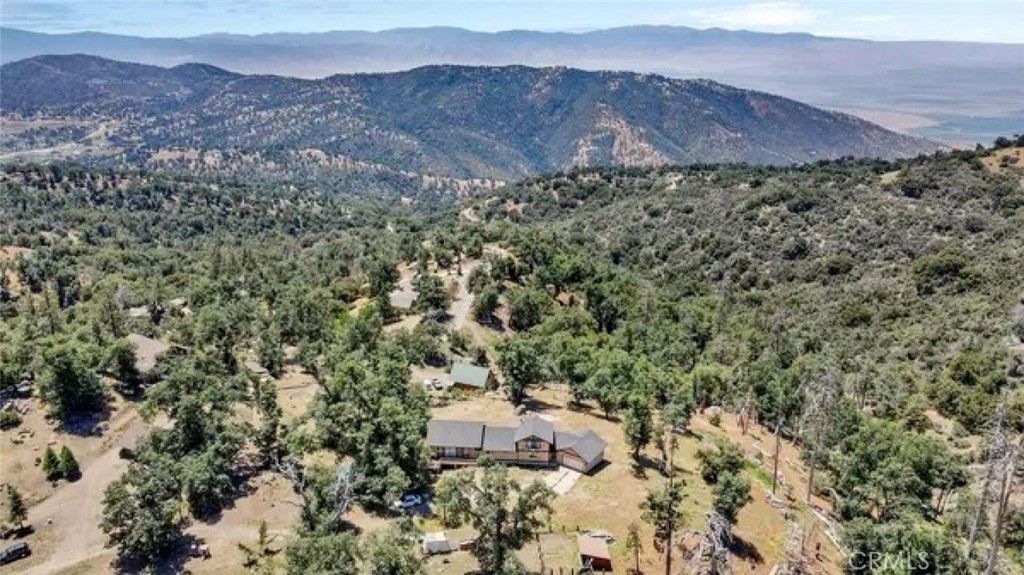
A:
(1000, 20)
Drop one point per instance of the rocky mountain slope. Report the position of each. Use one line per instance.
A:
(465, 122)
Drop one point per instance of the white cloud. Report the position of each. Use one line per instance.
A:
(755, 15)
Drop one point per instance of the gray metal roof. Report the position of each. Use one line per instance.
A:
(565, 439)
(535, 427)
(469, 374)
(587, 445)
(499, 438)
(444, 433)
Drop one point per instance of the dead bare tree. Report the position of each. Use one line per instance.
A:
(778, 453)
(712, 554)
(748, 413)
(796, 560)
(822, 395)
(995, 451)
(1008, 472)
(340, 494)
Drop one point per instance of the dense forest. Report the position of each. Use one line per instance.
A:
(870, 312)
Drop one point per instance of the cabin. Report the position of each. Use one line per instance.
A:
(471, 377)
(534, 442)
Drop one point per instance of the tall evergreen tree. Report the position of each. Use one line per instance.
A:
(51, 464)
(17, 512)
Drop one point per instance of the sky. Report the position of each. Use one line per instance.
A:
(980, 20)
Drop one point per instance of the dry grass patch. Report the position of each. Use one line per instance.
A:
(609, 498)
(1005, 159)
(296, 389)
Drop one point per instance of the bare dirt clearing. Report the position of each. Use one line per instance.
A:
(272, 500)
(67, 522)
(11, 253)
(296, 389)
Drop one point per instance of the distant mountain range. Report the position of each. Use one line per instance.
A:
(956, 91)
(453, 121)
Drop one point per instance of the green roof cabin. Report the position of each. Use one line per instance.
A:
(469, 376)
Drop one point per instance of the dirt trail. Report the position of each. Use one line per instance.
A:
(71, 516)
(462, 303)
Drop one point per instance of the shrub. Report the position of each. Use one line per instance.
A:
(9, 418)
(726, 457)
(948, 268)
(1015, 528)
(731, 493)
(854, 315)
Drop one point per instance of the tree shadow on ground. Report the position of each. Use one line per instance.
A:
(579, 406)
(641, 466)
(533, 405)
(493, 322)
(170, 563)
(745, 550)
(87, 424)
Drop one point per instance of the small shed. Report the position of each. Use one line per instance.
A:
(436, 543)
(469, 376)
(594, 553)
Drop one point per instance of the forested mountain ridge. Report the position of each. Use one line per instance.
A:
(464, 122)
(909, 273)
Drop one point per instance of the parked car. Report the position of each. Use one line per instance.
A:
(408, 502)
(15, 552)
(600, 534)
(199, 550)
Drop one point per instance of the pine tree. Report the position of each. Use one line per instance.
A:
(16, 510)
(51, 465)
(635, 545)
(68, 465)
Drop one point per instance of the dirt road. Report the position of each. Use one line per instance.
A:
(462, 303)
(67, 522)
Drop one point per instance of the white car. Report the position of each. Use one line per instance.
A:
(601, 534)
(408, 502)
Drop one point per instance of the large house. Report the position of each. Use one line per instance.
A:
(533, 442)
